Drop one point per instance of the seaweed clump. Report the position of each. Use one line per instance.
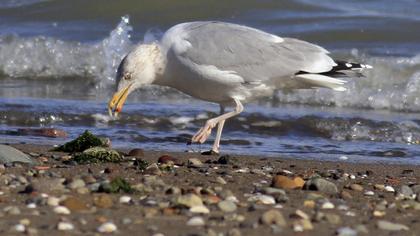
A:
(117, 185)
(85, 141)
(97, 155)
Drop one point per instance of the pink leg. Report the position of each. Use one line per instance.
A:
(216, 144)
(202, 135)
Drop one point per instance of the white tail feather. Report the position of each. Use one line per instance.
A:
(323, 81)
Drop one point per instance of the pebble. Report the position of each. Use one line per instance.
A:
(356, 187)
(77, 183)
(75, 204)
(386, 225)
(220, 180)
(125, 199)
(196, 221)
(62, 210)
(19, 228)
(263, 199)
(153, 169)
(322, 185)
(189, 200)
(369, 193)
(195, 163)
(137, 152)
(65, 226)
(107, 227)
(103, 201)
(12, 210)
(327, 205)
(284, 182)
(200, 209)
(406, 191)
(273, 217)
(388, 189)
(31, 205)
(346, 231)
(227, 206)
(302, 225)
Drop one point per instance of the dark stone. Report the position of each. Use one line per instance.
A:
(136, 152)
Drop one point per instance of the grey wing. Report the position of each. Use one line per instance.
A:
(252, 54)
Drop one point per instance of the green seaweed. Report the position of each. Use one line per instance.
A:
(97, 155)
(119, 184)
(141, 164)
(81, 143)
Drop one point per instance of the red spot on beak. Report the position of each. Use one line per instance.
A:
(118, 109)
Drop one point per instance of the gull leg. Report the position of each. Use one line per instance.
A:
(202, 135)
(216, 144)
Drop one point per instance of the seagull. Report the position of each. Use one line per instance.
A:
(227, 64)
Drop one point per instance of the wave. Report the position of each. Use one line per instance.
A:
(45, 57)
(18, 3)
(393, 83)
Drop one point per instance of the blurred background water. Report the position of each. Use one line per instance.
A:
(58, 60)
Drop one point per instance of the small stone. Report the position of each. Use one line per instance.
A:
(388, 189)
(107, 227)
(273, 217)
(225, 160)
(136, 152)
(369, 193)
(234, 232)
(327, 205)
(220, 180)
(12, 210)
(309, 203)
(196, 221)
(31, 205)
(300, 214)
(263, 199)
(53, 201)
(386, 225)
(103, 201)
(200, 209)
(302, 225)
(19, 228)
(377, 213)
(62, 210)
(195, 163)
(406, 191)
(333, 218)
(379, 187)
(153, 169)
(284, 182)
(166, 159)
(356, 187)
(346, 195)
(25, 221)
(346, 231)
(227, 206)
(65, 226)
(75, 204)
(125, 199)
(189, 200)
(77, 183)
(322, 185)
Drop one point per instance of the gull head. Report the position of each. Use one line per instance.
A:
(140, 67)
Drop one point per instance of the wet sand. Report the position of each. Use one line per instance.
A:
(233, 195)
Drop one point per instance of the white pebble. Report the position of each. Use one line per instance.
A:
(20, 228)
(200, 209)
(389, 189)
(31, 205)
(264, 199)
(62, 210)
(53, 201)
(125, 199)
(196, 221)
(107, 227)
(369, 193)
(65, 226)
(352, 176)
(327, 205)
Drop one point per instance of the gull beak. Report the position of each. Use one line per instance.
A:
(116, 103)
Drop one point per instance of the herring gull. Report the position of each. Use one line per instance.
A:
(227, 64)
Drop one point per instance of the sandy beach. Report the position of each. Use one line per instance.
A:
(192, 194)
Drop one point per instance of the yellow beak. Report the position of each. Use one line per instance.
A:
(117, 101)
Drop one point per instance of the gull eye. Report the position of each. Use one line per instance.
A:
(127, 76)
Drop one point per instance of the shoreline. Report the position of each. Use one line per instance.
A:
(367, 198)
